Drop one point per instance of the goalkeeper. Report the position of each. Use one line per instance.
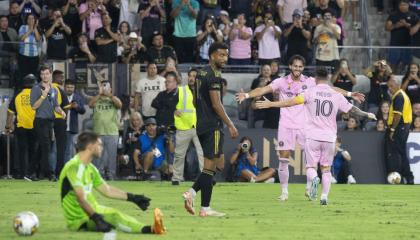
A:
(77, 180)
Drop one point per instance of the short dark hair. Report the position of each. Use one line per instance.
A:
(57, 72)
(192, 70)
(216, 46)
(84, 139)
(330, 11)
(70, 82)
(43, 68)
(298, 57)
(3, 16)
(321, 72)
(150, 63)
(171, 74)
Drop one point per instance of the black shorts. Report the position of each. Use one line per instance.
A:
(212, 143)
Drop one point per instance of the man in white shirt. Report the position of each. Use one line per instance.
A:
(147, 89)
(268, 36)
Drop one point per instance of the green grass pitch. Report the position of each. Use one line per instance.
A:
(253, 212)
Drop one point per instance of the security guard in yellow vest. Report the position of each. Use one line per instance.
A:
(185, 122)
(60, 124)
(20, 107)
(399, 121)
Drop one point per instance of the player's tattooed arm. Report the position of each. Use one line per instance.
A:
(359, 113)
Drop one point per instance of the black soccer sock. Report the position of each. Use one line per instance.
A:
(206, 186)
(146, 229)
(197, 184)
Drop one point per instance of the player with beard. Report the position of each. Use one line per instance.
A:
(81, 210)
(292, 120)
(210, 118)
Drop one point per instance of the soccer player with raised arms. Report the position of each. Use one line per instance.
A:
(321, 104)
(292, 120)
(210, 118)
(82, 212)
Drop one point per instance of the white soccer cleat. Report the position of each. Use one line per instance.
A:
(351, 179)
(210, 213)
(283, 197)
(313, 191)
(188, 202)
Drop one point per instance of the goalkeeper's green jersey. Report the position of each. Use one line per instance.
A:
(76, 174)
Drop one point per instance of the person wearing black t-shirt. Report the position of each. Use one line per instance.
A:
(82, 52)
(411, 83)
(210, 118)
(56, 32)
(72, 19)
(378, 89)
(324, 5)
(298, 35)
(107, 40)
(135, 53)
(344, 78)
(159, 53)
(15, 20)
(399, 24)
(151, 13)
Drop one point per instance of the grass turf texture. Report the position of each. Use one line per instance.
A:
(253, 212)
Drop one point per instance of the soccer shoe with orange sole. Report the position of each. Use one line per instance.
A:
(188, 202)
(210, 213)
(157, 227)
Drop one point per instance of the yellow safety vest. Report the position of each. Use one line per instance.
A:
(406, 113)
(185, 105)
(59, 100)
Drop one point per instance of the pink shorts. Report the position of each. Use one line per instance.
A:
(287, 138)
(319, 152)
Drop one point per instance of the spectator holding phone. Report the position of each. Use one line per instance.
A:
(105, 123)
(56, 33)
(411, 83)
(268, 35)
(82, 52)
(136, 51)
(343, 77)
(240, 37)
(245, 158)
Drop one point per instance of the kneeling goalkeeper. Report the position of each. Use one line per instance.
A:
(81, 210)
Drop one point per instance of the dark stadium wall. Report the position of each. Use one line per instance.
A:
(366, 149)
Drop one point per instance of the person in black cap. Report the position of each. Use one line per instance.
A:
(151, 150)
(298, 35)
(158, 52)
(20, 107)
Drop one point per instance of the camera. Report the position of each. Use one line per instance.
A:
(169, 130)
(245, 147)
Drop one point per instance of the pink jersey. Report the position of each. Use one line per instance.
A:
(292, 117)
(322, 104)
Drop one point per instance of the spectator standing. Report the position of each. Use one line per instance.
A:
(56, 32)
(242, 7)
(106, 40)
(76, 108)
(287, 8)
(60, 123)
(185, 119)
(240, 37)
(28, 7)
(90, 15)
(136, 51)
(343, 77)
(20, 107)
(185, 14)
(225, 24)
(268, 35)
(378, 88)
(260, 8)
(411, 83)
(113, 7)
(29, 36)
(326, 38)
(318, 11)
(165, 102)
(298, 35)
(44, 101)
(72, 19)
(399, 121)
(151, 13)
(208, 8)
(8, 47)
(147, 89)
(399, 24)
(206, 36)
(82, 52)
(158, 52)
(105, 123)
(129, 13)
(341, 167)
(415, 38)
(15, 21)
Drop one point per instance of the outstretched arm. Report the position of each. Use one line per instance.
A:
(111, 192)
(359, 113)
(257, 92)
(284, 103)
(358, 97)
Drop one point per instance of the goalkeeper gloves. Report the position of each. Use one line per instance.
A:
(140, 200)
(100, 224)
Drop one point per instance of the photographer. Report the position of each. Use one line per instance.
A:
(342, 165)
(105, 123)
(245, 158)
(151, 149)
(131, 141)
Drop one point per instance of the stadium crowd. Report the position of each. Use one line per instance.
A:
(138, 131)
